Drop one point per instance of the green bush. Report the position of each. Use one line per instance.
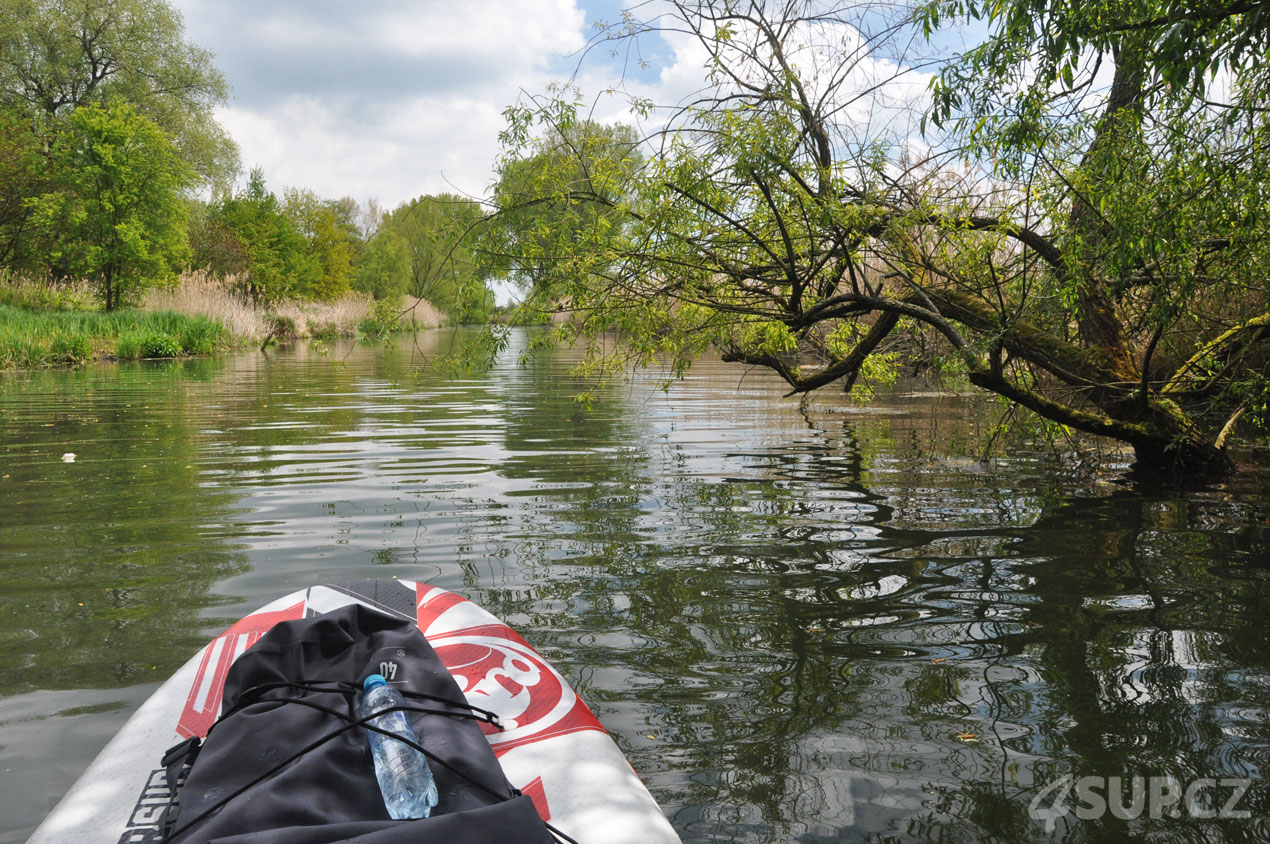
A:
(160, 346)
(69, 348)
(129, 346)
(326, 331)
(201, 336)
(41, 338)
(384, 319)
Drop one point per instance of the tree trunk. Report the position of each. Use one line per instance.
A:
(1097, 321)
(1161, 433)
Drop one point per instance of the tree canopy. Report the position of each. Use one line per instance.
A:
(106, 127)
(114, 214)
(1090, 253)
(279, 262)
(557, 201)
(58, 55)
(438, 232)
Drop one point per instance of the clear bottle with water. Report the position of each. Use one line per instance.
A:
(405, 779)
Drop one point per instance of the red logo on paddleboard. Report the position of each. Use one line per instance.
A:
(498, 670)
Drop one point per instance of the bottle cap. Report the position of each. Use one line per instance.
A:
(372, 681)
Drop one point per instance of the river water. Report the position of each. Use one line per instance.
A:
(801, 623)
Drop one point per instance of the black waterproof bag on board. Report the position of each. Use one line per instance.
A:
(287, 761)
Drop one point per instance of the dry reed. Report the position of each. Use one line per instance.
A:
(199, 293)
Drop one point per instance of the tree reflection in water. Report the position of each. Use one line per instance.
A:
(844, 637)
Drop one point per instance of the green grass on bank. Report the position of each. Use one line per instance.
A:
(30, 338)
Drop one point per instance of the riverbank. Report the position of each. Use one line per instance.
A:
(65, 338)
(43, 325)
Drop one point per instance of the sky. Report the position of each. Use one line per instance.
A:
(388, 100)
(392, 99)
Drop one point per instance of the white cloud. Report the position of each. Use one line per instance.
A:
(386, 100)
(394, 99)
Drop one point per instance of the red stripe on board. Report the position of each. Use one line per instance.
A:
(580, 718)
(536, 792)
(432, 603)
(196, 723)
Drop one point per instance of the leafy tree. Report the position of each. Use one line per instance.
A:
(214, 246)
(279, 262)
(1176, 48)
(23, 174)
(331, 236)
(383, 269)
(1100, 267)
(116, 214)
(562, 193)
(59, 55)
(440, 233)
(1152, 187)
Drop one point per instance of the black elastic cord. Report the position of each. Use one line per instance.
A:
(253, 694)
(221, 803)
(559, 836)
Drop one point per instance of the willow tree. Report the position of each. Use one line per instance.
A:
(59, 55)
(438, 232)
(556, 201)
(1096, 261)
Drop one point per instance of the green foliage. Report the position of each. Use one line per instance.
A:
(106, 119)
(331, 238)
(384, 319)
(1038, 47)
(128, 346)
(1153, 187)
(42, 338)
(160, 346)
(114, 213)
(23, 174)
(56, 57)
(561, 200)
(202, 336)
(384, 268)
(301, 247)
(440, 239)
(282, 326)
(1095, 256)
(21, 292)
(214, 245)
(326, 332)
(69, 348)
(280, 263)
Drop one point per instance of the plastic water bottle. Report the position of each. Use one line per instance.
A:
(404, 776)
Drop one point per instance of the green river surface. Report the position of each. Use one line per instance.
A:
(821, 623)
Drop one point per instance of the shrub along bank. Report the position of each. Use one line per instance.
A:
(31, 338)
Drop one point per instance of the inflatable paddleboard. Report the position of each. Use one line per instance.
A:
(551, 747)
